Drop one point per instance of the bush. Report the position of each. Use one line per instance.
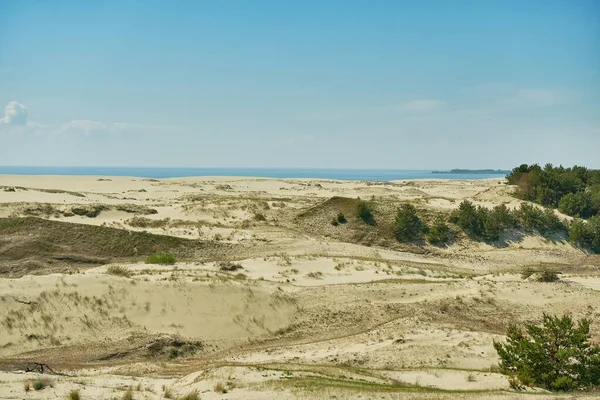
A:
(363, 211)
(408, 226)
(74, 395)
(341, 219)
(533, 218)
(42, 384)
(586, 234)
(467, 219)
(481, 223)
(161, 258)
(439, 233)
(548, 275)
(577, 205)
(556, 355)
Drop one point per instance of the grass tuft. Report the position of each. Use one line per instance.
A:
(161, 258)
(118, 270)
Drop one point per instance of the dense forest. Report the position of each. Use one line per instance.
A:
(574, 191)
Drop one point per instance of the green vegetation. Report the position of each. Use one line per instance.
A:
(481, 223)
(41, 384)
(340, 218)
(575, 191)
(89, 211)
(160, 258)
(363, 211)
(586, 234)
(408, 226)
(532, 218)
(74, 395)
(543, 275)
(439, 233)
(143, 222)
(174, 347)
(556, 355)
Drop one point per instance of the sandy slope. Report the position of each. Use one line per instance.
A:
(291, 308)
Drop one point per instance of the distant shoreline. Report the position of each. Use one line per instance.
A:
(474, 171)
(382, 175)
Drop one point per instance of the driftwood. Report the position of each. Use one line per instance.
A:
(29, 303)
(42, 368)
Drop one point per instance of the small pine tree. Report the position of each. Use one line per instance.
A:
(363, 211)
(408, 226)
(556, 355)
(439, 233)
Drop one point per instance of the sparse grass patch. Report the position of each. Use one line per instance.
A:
(143, 222)
(220, 388)
(161, 258)
(74, 395)
(229, 266)
(258, 216)
(41, 384)
(193, 395)
(118, 270)
(128, 395)
(315, 275)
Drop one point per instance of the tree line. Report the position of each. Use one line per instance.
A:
(574, 191)
(484, 224)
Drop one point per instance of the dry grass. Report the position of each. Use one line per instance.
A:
(119, 271)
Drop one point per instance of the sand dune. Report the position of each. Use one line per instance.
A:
(267, 298)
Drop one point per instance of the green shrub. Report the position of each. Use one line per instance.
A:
(363, 211)
(42, 384)
(468, 219)
(586, 234)
(577, 205)
(548, 275)
(161, 258)
(533, 218)
(74, 395)
(341, 219)
(439, 233)
(556, 355)
(408, 227)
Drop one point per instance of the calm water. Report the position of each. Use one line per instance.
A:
(343, 174)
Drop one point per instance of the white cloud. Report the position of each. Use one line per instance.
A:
(421, 105)
(14, 114)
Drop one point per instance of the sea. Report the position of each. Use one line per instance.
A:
(382, 175)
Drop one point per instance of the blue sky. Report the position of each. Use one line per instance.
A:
(349, 84)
